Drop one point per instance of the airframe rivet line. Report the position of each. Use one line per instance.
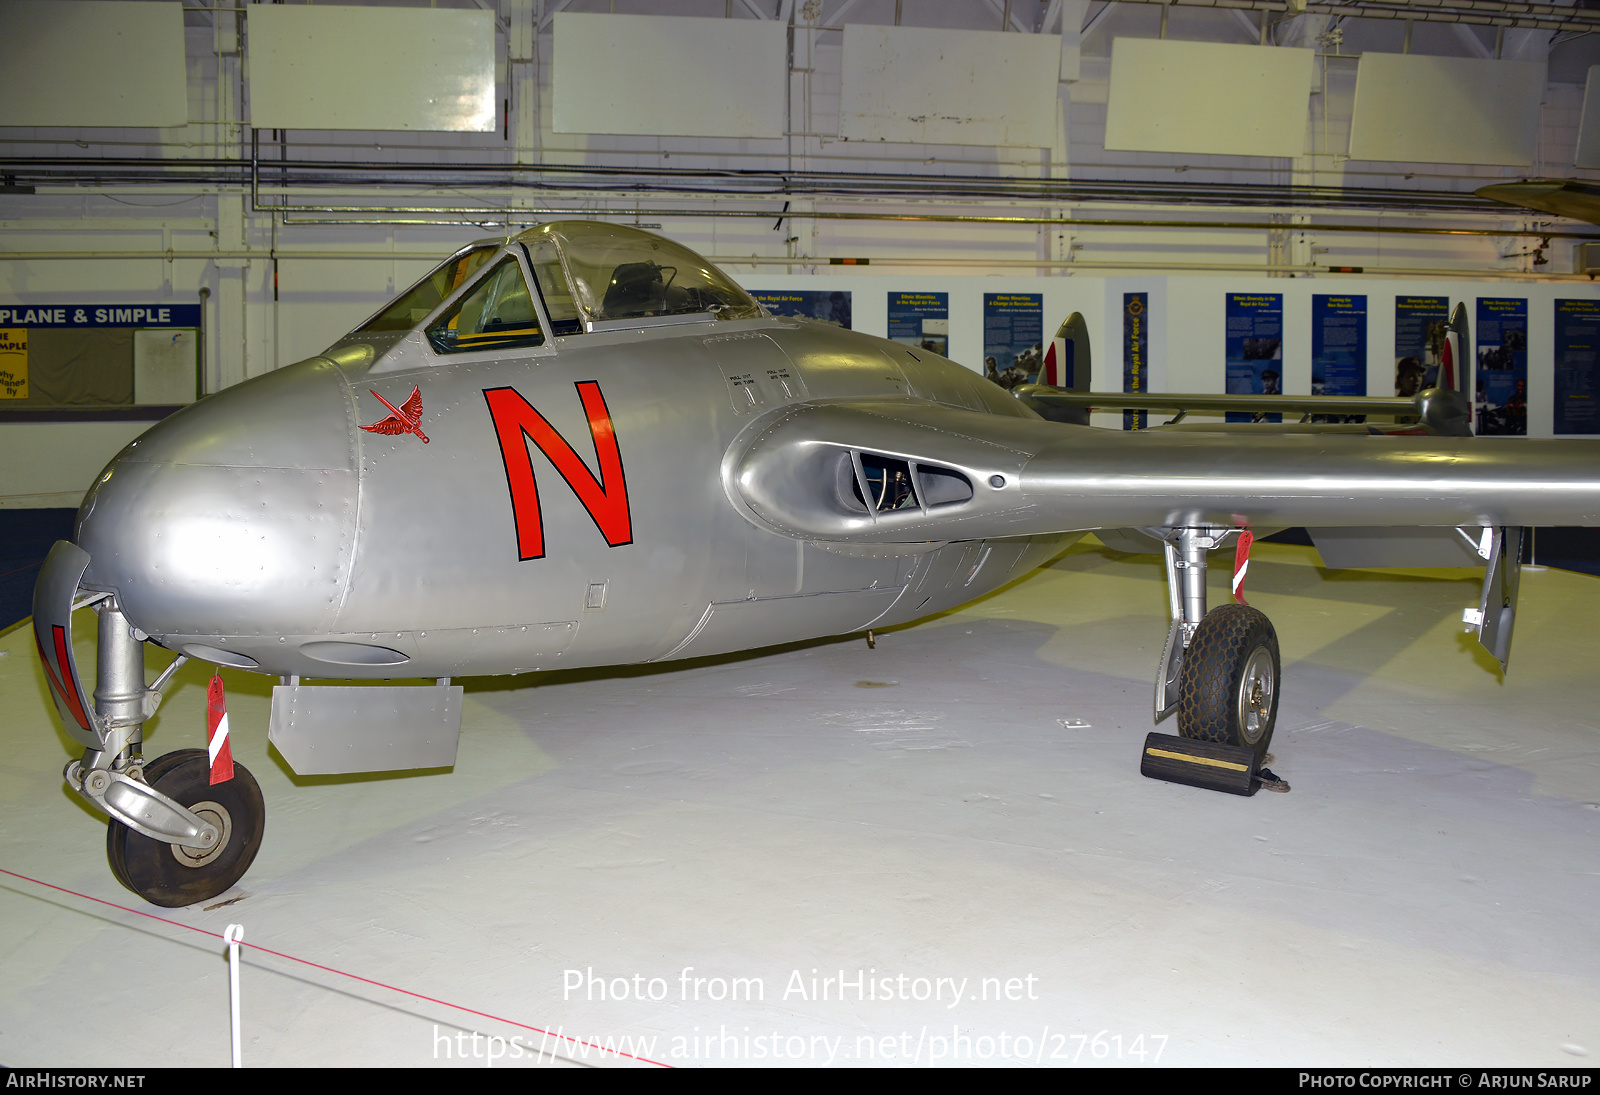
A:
(353, 976)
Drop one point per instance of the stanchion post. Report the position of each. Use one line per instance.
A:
(232, 936)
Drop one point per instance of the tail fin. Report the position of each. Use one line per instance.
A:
(1066, 362)
(1456, 368)
(1065, 368)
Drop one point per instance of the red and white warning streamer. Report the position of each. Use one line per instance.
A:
(1241, 564)
(217, 732)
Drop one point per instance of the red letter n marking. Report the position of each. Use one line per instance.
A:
(605, 498)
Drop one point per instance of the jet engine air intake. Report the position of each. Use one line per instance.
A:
(892, 483)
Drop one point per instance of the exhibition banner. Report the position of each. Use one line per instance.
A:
(1135, 354)
(1013, 337)
(1502, 388)
(100, 315)
(1577, 408)
(1419, 324)
(921, 320)
(1253, 349)
(827, 306)
(1338, 345)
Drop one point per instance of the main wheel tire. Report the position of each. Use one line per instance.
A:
(171, 875)
(1228, 688)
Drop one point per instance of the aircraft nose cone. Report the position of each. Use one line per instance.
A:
(233, 517)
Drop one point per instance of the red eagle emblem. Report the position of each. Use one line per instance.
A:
(406, 418)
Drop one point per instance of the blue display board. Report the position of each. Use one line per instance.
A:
(1502, 388)
(1577, 378)
(1013, 337)
(1419, 324)
(829, 306)
(1135, 354)
(921, 320)
(100, 315)
(1254, 349)
(1338, 345)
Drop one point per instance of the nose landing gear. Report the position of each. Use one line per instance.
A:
(174, 837)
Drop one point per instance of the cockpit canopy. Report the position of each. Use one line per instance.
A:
(616, 272)
(587, 274)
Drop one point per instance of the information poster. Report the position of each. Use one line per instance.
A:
(1254, 349)
(1419, 324)
(1338, 345)
(824, 305)
(921, 320)
(85, 355)
(14, 363)
(1013, 337)
(1577, 343)
(1502, 388)
(1135, 354)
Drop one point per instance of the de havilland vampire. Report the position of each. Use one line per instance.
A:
(587, 446)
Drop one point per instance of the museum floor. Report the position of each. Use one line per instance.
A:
(957, 810)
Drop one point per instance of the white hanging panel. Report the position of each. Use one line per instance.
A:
(1416, 109)
(1208, 97)
(669, 75)
(92, 63)
(919, 85)
(1587, 153)
(326, 67)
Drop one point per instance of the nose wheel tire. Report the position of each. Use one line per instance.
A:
(1228, 688)
(171, 875)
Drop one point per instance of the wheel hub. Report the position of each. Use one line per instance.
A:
(1256, 687)
(217, 814)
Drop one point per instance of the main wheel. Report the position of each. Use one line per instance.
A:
(1228, 688)
(170, 874)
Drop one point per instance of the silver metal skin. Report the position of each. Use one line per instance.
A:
(420, 727)
(264, 528)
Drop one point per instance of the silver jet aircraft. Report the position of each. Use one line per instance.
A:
(587, 446)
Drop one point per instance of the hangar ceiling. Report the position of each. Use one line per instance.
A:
(909, 131)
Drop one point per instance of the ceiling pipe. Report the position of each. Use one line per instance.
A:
(1021, 262)
(1480, 12)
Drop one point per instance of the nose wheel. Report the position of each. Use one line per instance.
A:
(1228, 693)
(172, 875)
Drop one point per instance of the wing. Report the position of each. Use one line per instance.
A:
(389, 425)
(412, 407)
(821, 471)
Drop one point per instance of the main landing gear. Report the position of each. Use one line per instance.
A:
(1220, 672)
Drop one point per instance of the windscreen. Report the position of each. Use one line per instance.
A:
(414, 305)
(624, 273)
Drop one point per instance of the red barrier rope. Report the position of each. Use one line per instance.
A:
(342, 973)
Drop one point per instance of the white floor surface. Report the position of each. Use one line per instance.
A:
(923, 818)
